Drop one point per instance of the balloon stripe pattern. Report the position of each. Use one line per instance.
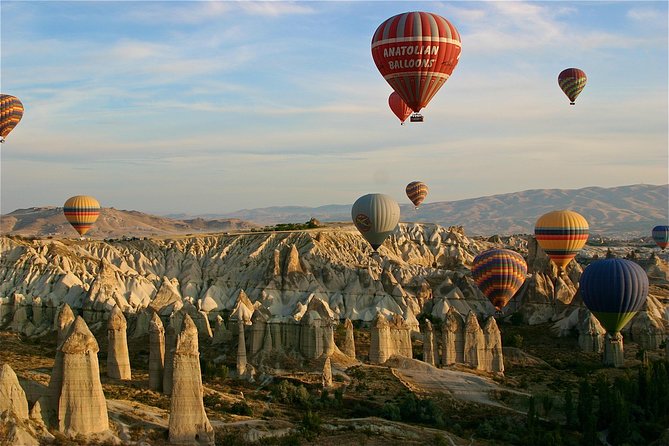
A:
(561, 234)
(399, 107)
(11, 112)
(376, 216)
(572, 81)
(416, 52)
(661, 236)
(416, 191)
(614, 290)
(81, 212)
(499, 274)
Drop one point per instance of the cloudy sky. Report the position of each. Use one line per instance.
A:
(211, 107)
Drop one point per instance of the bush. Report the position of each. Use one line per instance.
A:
(242, 408)
(390, 411)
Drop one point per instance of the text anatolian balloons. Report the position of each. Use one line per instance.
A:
(376, 216)
(416, 53)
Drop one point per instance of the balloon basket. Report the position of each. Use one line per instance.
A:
(416, 117)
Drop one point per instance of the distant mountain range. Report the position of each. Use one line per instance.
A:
(112, 223)
(625, 211)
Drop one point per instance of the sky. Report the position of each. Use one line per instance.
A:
(204, 107)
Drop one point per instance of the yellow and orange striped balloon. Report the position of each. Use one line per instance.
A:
(561, 234)
(416, 191)
(82, 212)
(11, 112)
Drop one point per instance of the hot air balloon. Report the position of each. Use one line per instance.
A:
(416, 53)
(416, 191)
(376, 216)
(561, 234)
(81, 211)
(614, 290)
(572, 81)
(399, 107)
(661, 236)
(11, 112)
(499, 274)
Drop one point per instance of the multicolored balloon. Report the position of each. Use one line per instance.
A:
(614, 290)
(661, 236)
(416, 191)
(416, 52)
(399, 107)
(572, 81)
(11, 112)
(499, 274)
(82, 212)
(376, 216)
(561, 234)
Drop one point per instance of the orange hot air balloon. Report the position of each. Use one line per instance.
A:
(82, 212)
(11, 112)
(561, 234)
(416, 191)
(572, 82)
(416, 53)
(399, 107)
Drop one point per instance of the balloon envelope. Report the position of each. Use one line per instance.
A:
(376, 216)
(416, 191)
(614, 290)
(661, 236)
(81, 211)
(499, 274)
(11, 112)
(399, 107)
(572, 81)
(416, 53)
(561, 234)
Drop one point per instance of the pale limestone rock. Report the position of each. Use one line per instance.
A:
(241, 351)
(142, 322)
(188, 423)
(221, 334)
(311, 335)
(474, 343)
(381, 343)
(77, 399)
(327, 374)
(293, 262)
(243, 310)
(428, 343)
(118, 359)
(453, 339)
(12, 396)
(494, 358)
(64, 319)
(258, 329)
(646, 331)
(590, 333)
(156, 353)
(349, 340)
(613, 350)
(17, 431)
(400, 333)
(176, 319)
(166, 297)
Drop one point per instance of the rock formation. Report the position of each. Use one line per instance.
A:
(453, 341)
(474, 343)
(494, 358)
(428, 343)
(188, 422)
(176, 319)
(381, 344)
(12, 396)
(590, 334)
(156, 353)
(76, 398)
(64, 319)
(349, 340)
(613, 350)
(118, 359)
(311, 335)
(327, 374)
(241, 351)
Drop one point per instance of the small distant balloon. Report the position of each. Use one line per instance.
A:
(399, 107)
(661, 236)
(11, 112)
(572, 81)
(416, 191)
(499, 274)
(81, 211)
(376, 216)
(614, 290)
(561, 234)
